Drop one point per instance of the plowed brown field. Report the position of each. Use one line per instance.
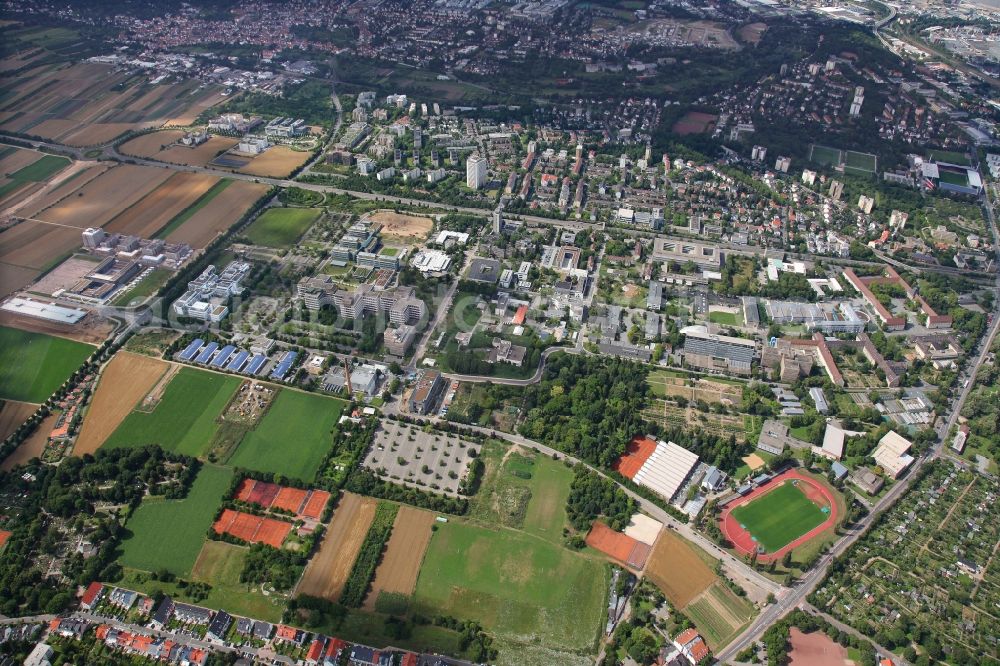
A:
(411, 532)
(200, 155)
(100, 200)
(148, 145)
(218, 214)
(328, 570)
(31, 447)
(35, 245)
(12, 415)
(124, 382)
(276, 162)
(677, 570)
(156, 209)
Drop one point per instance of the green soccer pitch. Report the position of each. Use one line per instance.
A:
(779, 517)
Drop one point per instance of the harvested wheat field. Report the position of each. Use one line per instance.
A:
(13, 278)
(19, 159)
(199, 155)
(12, 415)
(276, 162)
(60, 187)
(31, 447)
(36, 245)
(191, 114)
(677, 570)
(148, 145)
(402, 226)
(411, 532)
(218, 214)
(99, 133)
(328, 570)
(147, 217)
(105, 197)
(124, 382)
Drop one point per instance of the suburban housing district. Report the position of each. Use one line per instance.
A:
(453, 332)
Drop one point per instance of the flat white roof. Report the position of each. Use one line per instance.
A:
(666, 469)
(43, 310)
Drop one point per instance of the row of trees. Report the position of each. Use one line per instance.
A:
(360, 578)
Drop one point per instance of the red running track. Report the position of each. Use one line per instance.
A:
(741, 539)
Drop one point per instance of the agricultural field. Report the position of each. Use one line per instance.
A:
(937, 572)
(30, 248)
(189, 211)
(33, 446)
(124, 382)
(34, 365)
(155, 211)
(180, 523)
(12, 415)
(276, 162)
(691, 586)
(330, 566)
(27, 167)
(397, 572)
(281, 227)
(218, 214)
(779, 517)
(86, 104)
(183, 418)
(100, 200)
(164, 146)
(293, 437)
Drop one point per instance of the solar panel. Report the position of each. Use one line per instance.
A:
(237, 362)
(223, 356)
(192, 349)
(207, 352)
(255, 364)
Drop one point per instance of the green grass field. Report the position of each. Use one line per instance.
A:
(168, 534)
(184, 419)
(293, 436)
(33, 365)
(40, 170)
(865, 162)
(779, 517)
(725, 318)
(951, 157)
(146, 287)
(825, 156)
(519, 586)
(281, 227)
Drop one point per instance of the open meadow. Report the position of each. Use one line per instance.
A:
(281, 227)
(293, 437)
(184, 418)
(168, 534)
(33, 365)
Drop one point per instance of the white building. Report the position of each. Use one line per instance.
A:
(892, 454)
(476, 169)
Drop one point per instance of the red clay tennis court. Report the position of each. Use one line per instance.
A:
(620, 546)
(251, 528)
(636, 454)
(315, 504)
(303, 503)
(290, 499)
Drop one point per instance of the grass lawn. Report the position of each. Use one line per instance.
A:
(779, 517)
(184, 419)
(293, 436)
(146, 287)
(281, 227)
(725, 318)
(825, 156)
(168, 534)
(518, 586)
(34, 365)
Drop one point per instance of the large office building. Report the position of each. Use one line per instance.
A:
(706, 257)
(724, 353)
(476, 169)
(425, 395)
(207, 293)
(400, 303)
(398, 340)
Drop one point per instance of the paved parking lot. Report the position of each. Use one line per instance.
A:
(431, 460)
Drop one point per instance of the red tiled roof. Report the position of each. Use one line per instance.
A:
(93, 590)
(285, 632)
(686, 636)
(315, 650)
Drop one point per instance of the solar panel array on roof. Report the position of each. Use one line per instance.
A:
(284, 365)
(207, 352)
(255, 365)
(236, 364)
(223, 356)
(192, 349)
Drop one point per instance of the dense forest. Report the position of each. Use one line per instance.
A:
(592, 496)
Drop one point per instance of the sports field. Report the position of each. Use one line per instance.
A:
(33, 365)
(281, 227)
(863, 162)
(825, 156)
(293, 436)
(184, 420)
(779, 517)
(168, 534)
(521, 587)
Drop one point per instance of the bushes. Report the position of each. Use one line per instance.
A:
(591, 496)
(364, 482)
(369, 556)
